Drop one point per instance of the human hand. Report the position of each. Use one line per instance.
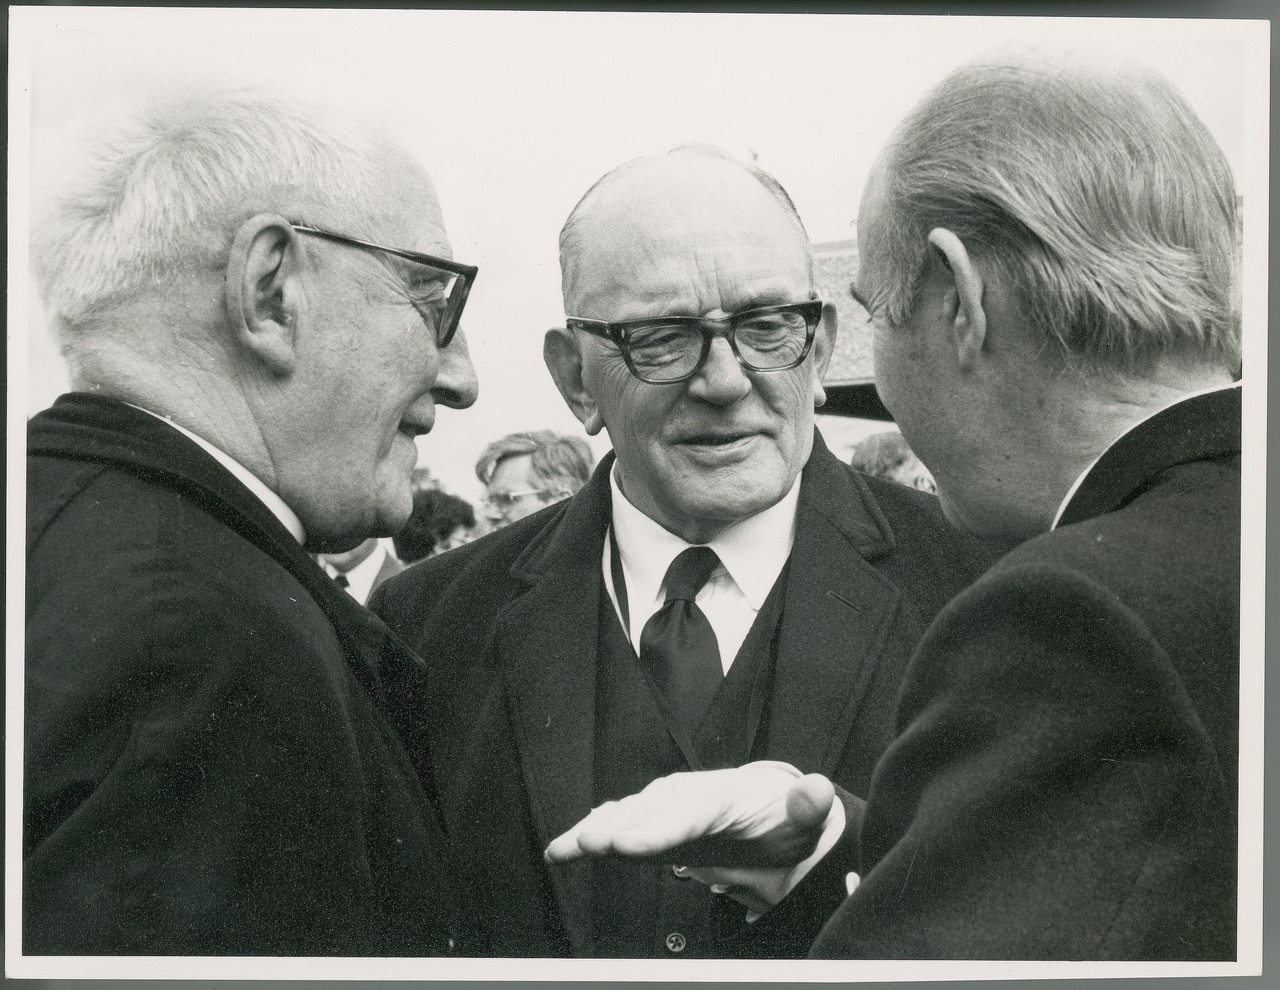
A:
(764, 814)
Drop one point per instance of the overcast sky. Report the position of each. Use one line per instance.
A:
(515, 114)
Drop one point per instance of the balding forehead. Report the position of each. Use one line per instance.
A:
(667, 204)
(648, 191)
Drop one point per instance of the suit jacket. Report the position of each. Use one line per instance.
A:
(512, 626)
(1064, 782)
(210, 762)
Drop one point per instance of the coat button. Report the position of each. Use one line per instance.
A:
(681, 871)
(675, 942)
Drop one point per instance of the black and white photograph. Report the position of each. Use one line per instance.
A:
(634, 495)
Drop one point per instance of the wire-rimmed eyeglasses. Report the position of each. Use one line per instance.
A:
(440, 305)
(671, 349)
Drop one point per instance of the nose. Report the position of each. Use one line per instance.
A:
(721, 381)
(456, 385)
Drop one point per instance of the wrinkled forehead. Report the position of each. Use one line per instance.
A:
(697, 229)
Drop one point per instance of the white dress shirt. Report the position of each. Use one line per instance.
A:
(274, 503)
(360, 578)
(752, 553)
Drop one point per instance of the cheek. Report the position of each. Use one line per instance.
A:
(790, 399)
(633, 411)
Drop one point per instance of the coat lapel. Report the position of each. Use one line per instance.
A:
(551, 636)
(834, 618)
(90, 427)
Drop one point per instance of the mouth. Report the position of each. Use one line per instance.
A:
(716, 438)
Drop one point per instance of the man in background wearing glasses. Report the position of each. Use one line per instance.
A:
(722, 589)
(260, 314)
(525, 472)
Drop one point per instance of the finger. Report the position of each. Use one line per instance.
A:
(663, 815)
(568, 845)
(754, 888)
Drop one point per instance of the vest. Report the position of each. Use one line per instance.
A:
(647, 911)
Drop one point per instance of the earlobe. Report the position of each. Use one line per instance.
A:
(260, 295)
(969, 318)
(562, 352)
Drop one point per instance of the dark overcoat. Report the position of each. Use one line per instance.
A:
(510, 624)
(1063, 785)
(209, 763)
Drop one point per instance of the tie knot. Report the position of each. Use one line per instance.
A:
(689, 572)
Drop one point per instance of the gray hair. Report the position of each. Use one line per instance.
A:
(571, 233)
(1097, 195)
(556, 461)
(161, 196)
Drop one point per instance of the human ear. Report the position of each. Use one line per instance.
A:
(562, 352)
(261, 296)
(824, 344)
(965, 313)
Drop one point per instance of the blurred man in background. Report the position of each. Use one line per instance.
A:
(439, 522)
(723, 588)
(1049, 252)
(886, 455)
(260, 315)
(361, 569)
(525, 472)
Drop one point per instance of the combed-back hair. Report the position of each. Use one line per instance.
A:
(160, 195)
(555, 461)
(571, 232)
(1093, 190)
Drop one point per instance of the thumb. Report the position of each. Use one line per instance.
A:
(809, 800)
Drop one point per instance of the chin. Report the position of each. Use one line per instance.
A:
(726, 504)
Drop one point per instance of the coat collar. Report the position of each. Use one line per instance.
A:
(91, 428)
(1199, 428)
(834, 612)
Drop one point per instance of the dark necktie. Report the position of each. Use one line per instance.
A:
(678, 646)
(341, 581)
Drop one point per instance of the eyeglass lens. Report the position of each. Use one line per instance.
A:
(765, 342)
(436, 298)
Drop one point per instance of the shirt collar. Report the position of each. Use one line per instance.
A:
(360, 578)
(1075, 485)
(753, 550)
(274, 503)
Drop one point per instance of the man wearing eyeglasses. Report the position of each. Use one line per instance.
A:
(1049, 250)
(524, 472)
(260, 313)
(722, 588)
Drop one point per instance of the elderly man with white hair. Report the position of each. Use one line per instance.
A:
(260, 313)
(1049, 252)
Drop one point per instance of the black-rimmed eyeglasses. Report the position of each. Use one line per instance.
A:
(439, 298)
(672, 349)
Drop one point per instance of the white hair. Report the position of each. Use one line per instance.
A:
(161, 196)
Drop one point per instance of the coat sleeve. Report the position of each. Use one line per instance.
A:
(1051, 793)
